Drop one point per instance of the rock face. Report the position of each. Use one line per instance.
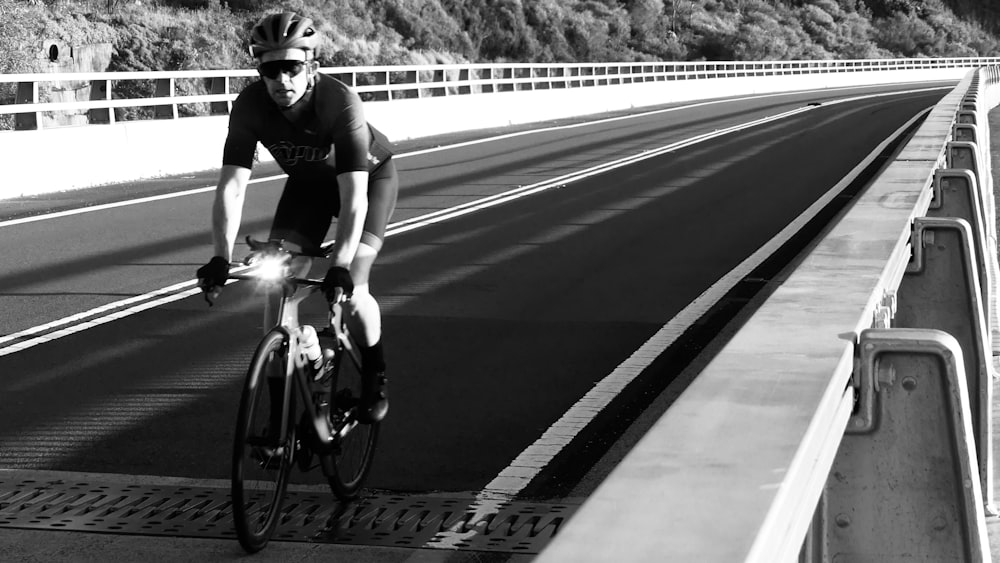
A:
(57, 57)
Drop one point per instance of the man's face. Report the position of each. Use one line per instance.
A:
(286, 80)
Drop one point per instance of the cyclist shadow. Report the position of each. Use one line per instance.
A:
(338, 526)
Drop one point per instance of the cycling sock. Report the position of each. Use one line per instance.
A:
(373, 358)
(375, 402)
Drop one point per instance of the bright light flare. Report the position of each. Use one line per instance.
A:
(271, 269)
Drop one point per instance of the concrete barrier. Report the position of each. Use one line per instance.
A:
(844, 420)
(52, 160)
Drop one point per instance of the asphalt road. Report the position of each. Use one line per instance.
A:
(498, 319)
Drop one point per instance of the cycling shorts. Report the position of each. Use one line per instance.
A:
(306, 210)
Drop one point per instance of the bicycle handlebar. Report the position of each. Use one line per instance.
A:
(274, 247)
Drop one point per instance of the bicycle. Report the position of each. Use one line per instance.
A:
(269, 442)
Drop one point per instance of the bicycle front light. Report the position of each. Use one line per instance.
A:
(271, 269)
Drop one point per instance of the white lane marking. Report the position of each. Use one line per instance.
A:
(48, 332)
(113, 205)
(530, 463)
(102, 207)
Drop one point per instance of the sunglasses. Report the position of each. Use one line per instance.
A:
(273, 69)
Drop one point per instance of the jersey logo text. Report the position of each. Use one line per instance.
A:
(290, 155)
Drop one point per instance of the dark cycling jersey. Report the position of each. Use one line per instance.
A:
(336, 139)
(330, 139)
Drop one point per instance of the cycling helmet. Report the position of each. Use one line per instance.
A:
(280, 34)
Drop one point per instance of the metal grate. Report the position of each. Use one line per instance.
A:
(380, 520)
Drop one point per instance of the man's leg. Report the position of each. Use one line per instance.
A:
(362, 312)
(365, 322)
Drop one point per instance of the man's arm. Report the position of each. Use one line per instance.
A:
(227, 211)
(353, 188)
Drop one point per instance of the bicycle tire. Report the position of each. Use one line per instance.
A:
(347, 466)
(262, 462)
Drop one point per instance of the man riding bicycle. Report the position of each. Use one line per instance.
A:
(338, 166)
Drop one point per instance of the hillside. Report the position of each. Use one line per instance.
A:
(193, 34)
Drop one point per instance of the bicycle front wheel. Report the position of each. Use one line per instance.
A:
(262, 453)
(348, 465)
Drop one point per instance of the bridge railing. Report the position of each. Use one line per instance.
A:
(850, 418)
(174, 94)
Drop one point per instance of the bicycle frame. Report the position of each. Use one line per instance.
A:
(288, 293)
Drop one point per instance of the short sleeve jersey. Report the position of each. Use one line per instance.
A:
(335, 140)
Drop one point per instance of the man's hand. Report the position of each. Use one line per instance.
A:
(212, 276)
(338, 285)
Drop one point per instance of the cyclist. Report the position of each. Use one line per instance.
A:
(337, 165)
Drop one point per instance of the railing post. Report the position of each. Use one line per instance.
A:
(27, 93)
(941, 290)
(957, 194)
(905, 482)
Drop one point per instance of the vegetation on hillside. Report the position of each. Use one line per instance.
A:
(194, 34)
(210, 34)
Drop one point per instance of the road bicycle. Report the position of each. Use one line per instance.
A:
(314, 412)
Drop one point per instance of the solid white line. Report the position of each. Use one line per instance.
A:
(103, 206)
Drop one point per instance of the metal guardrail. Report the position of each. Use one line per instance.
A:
(849, 418)
(218, 88)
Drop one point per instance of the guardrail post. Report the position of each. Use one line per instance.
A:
(965, 132)
(165, 89)
(966, 116)
(100, 90)
(965, 155)
(941, 291)
(904, 483)
(957, 194)
(27, 93)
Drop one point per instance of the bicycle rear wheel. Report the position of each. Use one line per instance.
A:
(348, 465)
(262, 457)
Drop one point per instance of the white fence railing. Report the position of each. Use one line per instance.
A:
(173, 94)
